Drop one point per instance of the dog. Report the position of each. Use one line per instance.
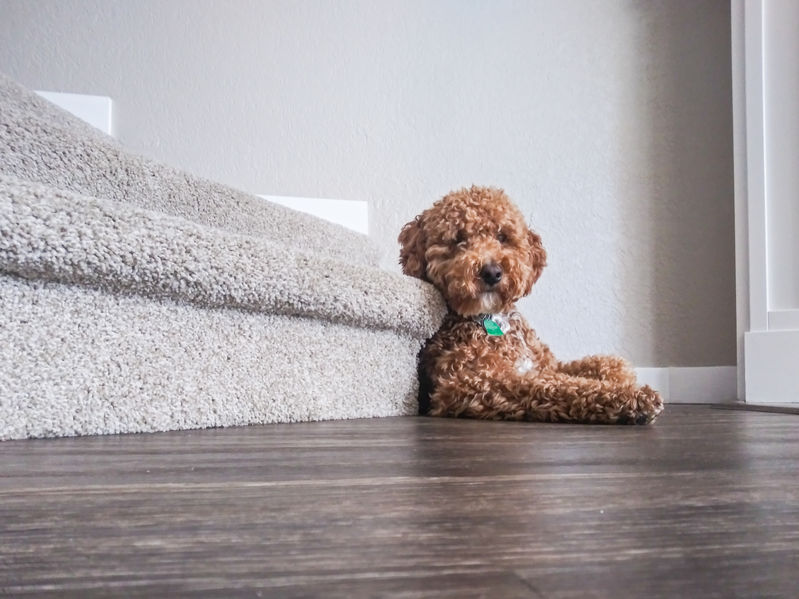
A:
(486, 361)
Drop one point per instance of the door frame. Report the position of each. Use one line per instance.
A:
(768, 340)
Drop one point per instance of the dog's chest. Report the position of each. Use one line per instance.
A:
(512, 344)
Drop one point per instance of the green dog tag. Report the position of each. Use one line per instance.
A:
(492, 328)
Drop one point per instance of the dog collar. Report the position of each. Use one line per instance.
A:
(495, 325)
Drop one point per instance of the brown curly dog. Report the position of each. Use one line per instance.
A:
(485, 361)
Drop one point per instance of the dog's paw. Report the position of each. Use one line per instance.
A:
(645, 406)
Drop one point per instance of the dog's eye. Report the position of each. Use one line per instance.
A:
(460, 237)
(501, 237)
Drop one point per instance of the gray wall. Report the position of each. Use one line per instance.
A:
(609, 121)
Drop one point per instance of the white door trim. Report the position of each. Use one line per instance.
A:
(767, 338)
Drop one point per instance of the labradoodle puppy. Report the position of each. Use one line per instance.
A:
(485, 361)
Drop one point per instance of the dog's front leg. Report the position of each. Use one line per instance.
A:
(552, 397)
(558, 397)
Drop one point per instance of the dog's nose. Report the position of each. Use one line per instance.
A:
(491, 274)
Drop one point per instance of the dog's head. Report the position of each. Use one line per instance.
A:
(475, 247)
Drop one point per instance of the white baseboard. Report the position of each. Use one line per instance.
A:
(95, 110)
(353, 214)
(706, 384)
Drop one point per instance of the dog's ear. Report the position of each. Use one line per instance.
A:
(411, 239)
(538, 258)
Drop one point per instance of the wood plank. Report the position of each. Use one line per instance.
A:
(703, 503)
(777, 408)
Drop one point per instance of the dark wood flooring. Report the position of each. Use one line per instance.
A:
(705, 503)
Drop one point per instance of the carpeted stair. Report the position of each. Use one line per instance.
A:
(135, 297)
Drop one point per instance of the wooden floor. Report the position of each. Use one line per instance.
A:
(703, 504)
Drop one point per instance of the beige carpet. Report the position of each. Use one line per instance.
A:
(135, 297)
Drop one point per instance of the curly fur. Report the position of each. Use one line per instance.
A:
(464, 371)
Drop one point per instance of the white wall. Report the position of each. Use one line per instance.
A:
(609, 121)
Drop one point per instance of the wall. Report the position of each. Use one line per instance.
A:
(609, 122)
